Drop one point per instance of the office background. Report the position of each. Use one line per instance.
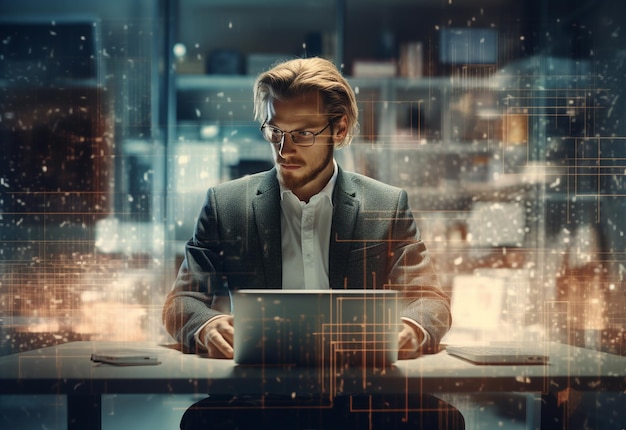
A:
(504, 120)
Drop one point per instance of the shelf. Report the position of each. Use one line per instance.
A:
(50, 83)
(203, 82)
(437, 147)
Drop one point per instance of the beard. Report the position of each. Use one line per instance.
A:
(306, 175)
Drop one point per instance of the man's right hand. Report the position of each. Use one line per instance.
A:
(217, 336)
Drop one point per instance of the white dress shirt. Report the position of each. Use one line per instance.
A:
(305, 232)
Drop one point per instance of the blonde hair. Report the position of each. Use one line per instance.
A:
(301, 75)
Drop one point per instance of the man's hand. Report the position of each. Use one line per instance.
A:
(409, 341)
(217, 336)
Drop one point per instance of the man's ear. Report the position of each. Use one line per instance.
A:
(340, 129)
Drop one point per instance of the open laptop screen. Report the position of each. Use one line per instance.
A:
(313, 327)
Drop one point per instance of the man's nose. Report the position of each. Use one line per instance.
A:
(285, 147)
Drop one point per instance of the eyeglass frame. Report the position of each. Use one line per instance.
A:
(282, 139)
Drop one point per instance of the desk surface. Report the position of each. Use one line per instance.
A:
(67, 369)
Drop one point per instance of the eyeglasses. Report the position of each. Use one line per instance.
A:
(299, 137)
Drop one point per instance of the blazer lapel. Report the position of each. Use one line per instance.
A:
(266, 212)
(346, 209)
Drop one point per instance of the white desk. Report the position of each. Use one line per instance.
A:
(67, 370)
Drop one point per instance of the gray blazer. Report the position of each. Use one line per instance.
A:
(237, 244)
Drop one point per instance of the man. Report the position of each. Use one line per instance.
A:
(304, 224)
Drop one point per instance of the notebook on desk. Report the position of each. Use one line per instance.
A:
(316, 327)
(498, 354)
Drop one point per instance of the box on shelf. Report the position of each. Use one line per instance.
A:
(259, 63)
(374, 69)
(411, 60)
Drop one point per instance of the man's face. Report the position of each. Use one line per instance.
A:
(304, 170)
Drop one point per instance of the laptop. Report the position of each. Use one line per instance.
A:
(316, 327)
(513, 354)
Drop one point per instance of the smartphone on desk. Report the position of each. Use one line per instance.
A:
(125, 357)
(498, 354)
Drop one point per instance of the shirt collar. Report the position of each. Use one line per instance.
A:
(326, 191)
